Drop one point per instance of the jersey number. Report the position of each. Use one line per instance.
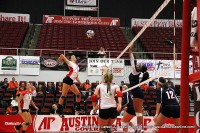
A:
(170, 94)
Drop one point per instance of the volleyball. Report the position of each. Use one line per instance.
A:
(90, 33)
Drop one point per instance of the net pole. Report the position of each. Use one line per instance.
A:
(185, 46)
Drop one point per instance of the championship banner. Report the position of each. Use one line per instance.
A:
(82, 123)
(156, 23)
(96, 64)
(78, 20)
(51, 63)
(29, 65)
(178, 68)
(14, 17)
(82, 2)
(9, 65)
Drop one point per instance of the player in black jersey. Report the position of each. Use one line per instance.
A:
(138, 96)
(167, 105)
(129, 112)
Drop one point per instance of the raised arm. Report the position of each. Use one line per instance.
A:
(132, 60)
(63, 58)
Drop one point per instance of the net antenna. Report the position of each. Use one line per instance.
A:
(164, 4)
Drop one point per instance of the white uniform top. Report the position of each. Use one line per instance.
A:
(73, 70)
(105, 99)
(27, 97)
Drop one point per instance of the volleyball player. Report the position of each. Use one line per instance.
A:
(68, 83)
(108, 108)
(138, 96)
(167, 105)
(129, 112)
(24, 101)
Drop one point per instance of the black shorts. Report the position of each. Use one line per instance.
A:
(108, 113)
(25, 110)
(130, 110)
(171, 111)
(138, 93)
(68, 80)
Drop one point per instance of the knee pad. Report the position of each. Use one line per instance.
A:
(63, 97)
(138, 114)
(78, 95)
(27, 123)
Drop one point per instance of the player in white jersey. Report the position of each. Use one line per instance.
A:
(24, 102)
(68, 83)
(108, 107)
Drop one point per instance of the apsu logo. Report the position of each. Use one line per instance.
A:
(50, 63)
(49, 19)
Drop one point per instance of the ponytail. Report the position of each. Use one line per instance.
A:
(108, 77)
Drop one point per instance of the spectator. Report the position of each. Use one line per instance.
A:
(50, 88)
(4, 84)
(87, 87)
(95, 85)
(23, 84)
(33, 89)
(41, 89)
(21, 89)
(59, 88)
(102, 53)
(12, 109)
(13, 84)
(122, 83)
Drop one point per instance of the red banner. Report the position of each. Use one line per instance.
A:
(78, 20)
(78, 123)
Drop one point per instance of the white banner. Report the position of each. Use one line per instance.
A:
(96, 64)
(9, 65)
(82, 2)
(178, 68)
(29, 65)
(14, 17)
(156, 23)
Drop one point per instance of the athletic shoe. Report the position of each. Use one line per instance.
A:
(16, 129)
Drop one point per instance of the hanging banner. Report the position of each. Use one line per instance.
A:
(29, 65)
(82, 2)
(51, 63)
(14, 17)
(178, 68)
(150, 64)
(82, 123)
(80, 20)
(135, 22)
(9, 65)
(96, 64)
